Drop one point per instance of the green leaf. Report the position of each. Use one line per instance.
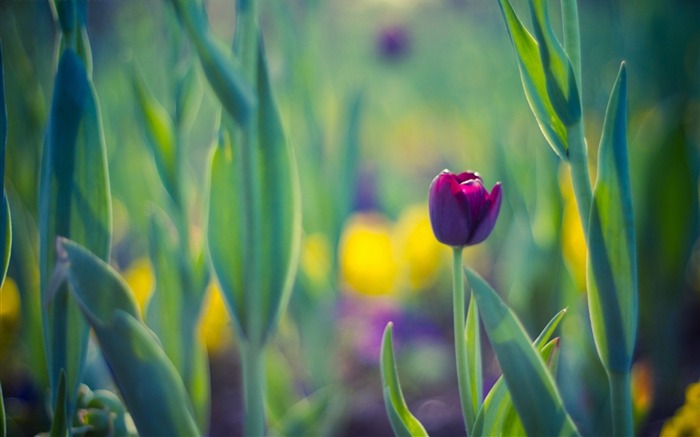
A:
(165, 309)
(60, 423)
(512, 425)
(559, 73)
(222, 69)
(151, 387)
(74, 202)
(533, 391)
(551, 94)
(473, 339)
(402, 421)
(5, 217)
(306, 415)
(3, 424)
(174, 309)
(160, 134)
(347, 163)
(498, 404)
(279, 231)
(612, 261)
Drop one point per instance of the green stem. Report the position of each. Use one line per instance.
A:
(578, 160)
(621, 400)
(460, 343)
(572, 37)
(253, 360)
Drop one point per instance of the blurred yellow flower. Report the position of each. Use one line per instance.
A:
(315, 260)
(368, 261)
(573, 240)
(686, 421)
(215, 323)
(420, 254)
(9, 313)
(140, 278)
(642, 388)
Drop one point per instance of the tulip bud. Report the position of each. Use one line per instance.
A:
(462, 212)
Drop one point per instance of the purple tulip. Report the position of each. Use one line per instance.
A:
(462, 212)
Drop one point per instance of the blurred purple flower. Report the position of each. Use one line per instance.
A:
(366, 321)
(462, 212)
(393, 42)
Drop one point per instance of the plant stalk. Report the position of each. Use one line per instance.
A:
(253, 361)
(621, 400)
(572, 37)
(460, 343)
(578, 160)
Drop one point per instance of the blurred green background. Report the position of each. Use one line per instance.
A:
(407, 88)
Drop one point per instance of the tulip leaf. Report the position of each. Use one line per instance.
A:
(281, 238)
(559, 73)
(74, 202)
(60, 423)
(512, 425)
(612, 262)
(496, 406)
(278, 232)
(347, 163)
(3, 420)
(174, 308)
(535, 79)
(402, 421)
(164, 315)
(222, 69)
(306, 415)
(524, 371)
(474, 372)
(160, 134)
(149, 383)
(5, 217)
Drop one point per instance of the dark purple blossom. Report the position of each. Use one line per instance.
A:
(462, 212)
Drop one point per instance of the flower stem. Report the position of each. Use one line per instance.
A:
(572, 37)
(578, 160)
(253, 361)
(621, 400)
(460, 342)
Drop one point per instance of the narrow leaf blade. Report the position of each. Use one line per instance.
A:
(402, 421)
(281, 235)
(74, 202)
(160, 133)
(612, 262)
(473, 340)
(534, 81)
(524, 371)
(5, 218)
(498, 403)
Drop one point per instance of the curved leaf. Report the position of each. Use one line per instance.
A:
(539, 79)
(473, 339)
(278, 233)
(402, 421)
(174, 309)
(497, 404)
(147, 380)
(74, 202)
(612, 260)
(160, 134)
(5, 218)
(222, 69)
(532, 389)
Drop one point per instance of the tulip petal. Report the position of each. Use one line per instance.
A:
(450, 224)
(490, 213)
(473, 198)
(467, 175)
